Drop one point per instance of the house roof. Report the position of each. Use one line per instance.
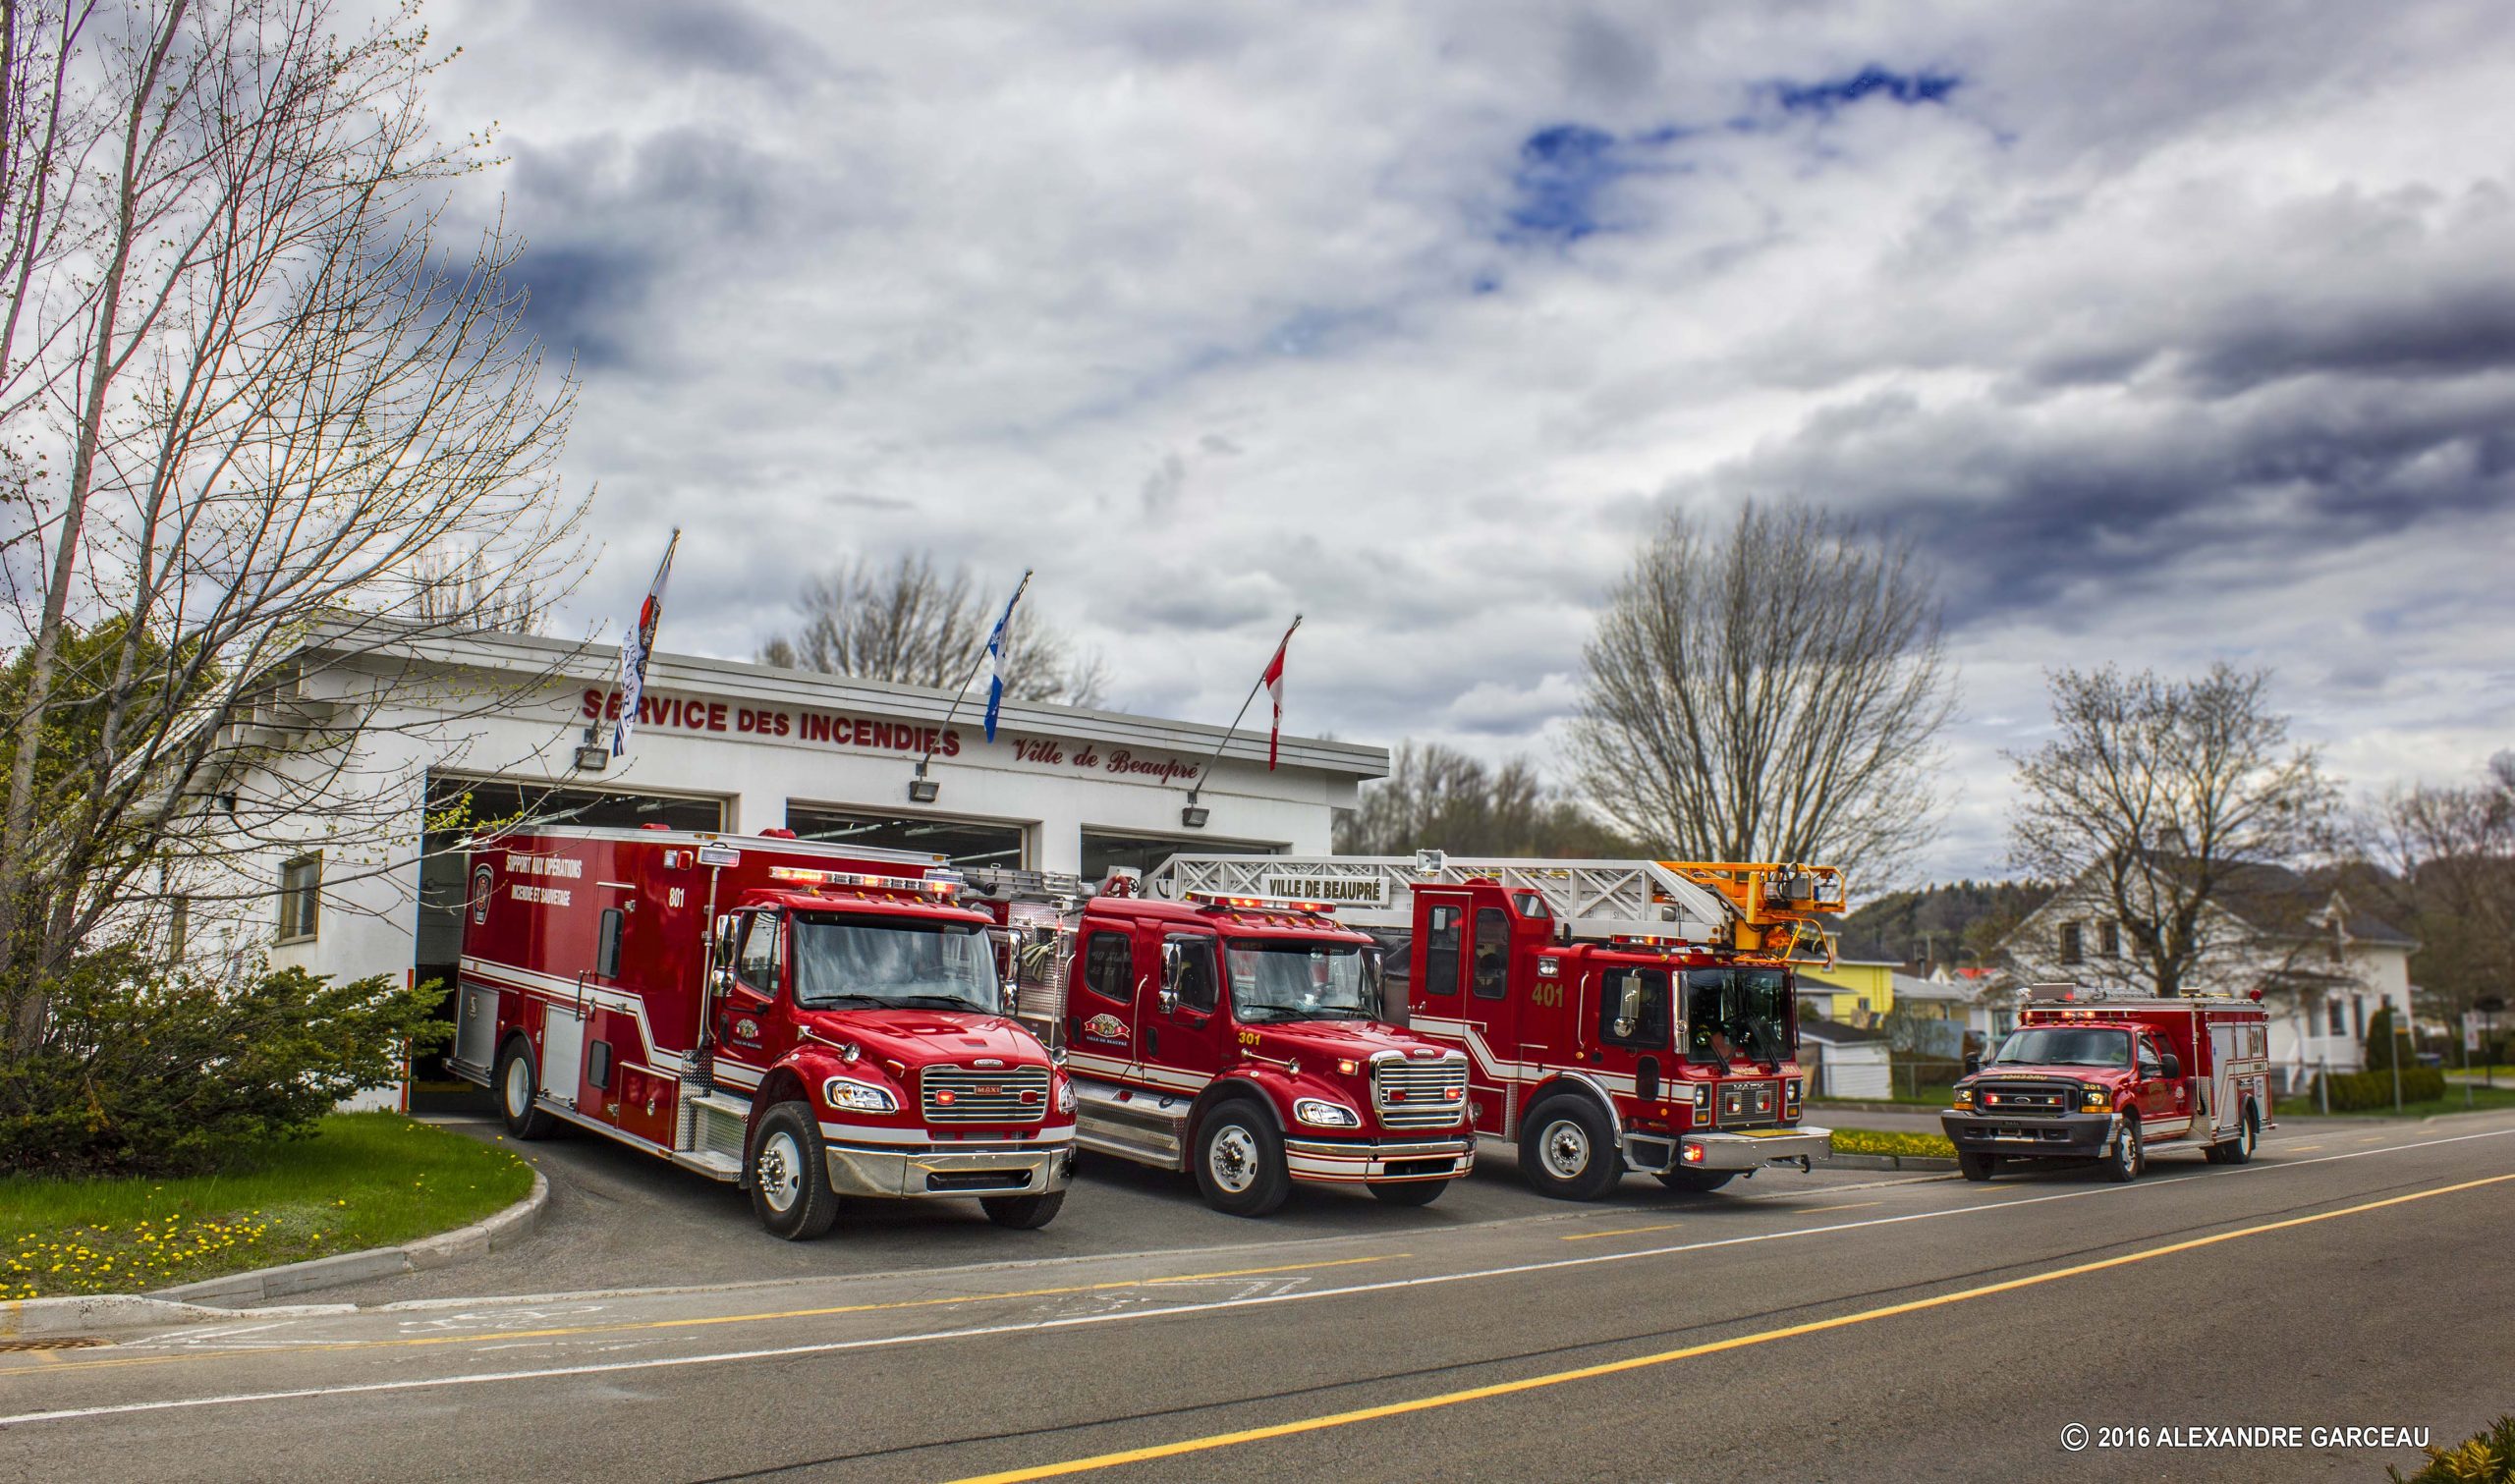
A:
(1911, 987)
(2277, 900)
(1837, 1033)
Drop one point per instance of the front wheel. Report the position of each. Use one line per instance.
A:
(517, 1083)
(1696, 1182)
(1409, 1193)
(1977, 1167)
(1567, 1152)
(1240, 1161)
(790, 1175)
(1022, 1213)
(2127, 1160)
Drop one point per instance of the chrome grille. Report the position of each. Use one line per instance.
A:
(2025, 1099)
(985, 1095)
(1745, 1105)
(1420, 1094)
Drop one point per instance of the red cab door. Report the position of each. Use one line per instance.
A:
(1184, 1039)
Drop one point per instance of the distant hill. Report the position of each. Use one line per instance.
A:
(1955, 924)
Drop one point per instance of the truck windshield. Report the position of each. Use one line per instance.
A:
(2066, 1045)
(870, 959)
(1291, 979)
(1737, 1013)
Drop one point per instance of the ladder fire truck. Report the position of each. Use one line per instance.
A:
(1233, 1035)
(1617, 1015)
(804, 1021)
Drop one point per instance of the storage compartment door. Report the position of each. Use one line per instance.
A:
(563, 1054)
(2226, 1106)
(476, 1029)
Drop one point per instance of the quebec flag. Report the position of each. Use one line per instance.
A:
(995, 664)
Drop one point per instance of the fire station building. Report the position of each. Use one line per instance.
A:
(482, 728)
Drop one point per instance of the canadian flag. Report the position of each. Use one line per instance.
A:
(1273, 681)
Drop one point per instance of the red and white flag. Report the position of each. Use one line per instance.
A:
(1273, 681)
(637, 645)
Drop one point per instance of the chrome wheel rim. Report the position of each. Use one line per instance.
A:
(519, 1088)
(1231, 1159)
(780, 1171)
(1564, 1149)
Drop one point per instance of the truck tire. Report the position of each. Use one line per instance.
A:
(2239, 1150)
(1696, 1182)
(2124, 1164)
(518, 1080)
(1977, 1167)
(1567, 1152)
(1022, 1213)
(790, 1175)
(1409, 1193)
(1240, 1160)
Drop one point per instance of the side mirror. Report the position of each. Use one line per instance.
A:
(1973, 1063)
(725, 939)
(2173, 1066)
(1628, 1006)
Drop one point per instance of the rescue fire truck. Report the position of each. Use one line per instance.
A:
(1617, 1015)
(806, 1021)
(1233, 1035)
(2091, 1074)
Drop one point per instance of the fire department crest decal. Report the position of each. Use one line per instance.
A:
(1105, 1027)
(484, 885)
(746, 1029)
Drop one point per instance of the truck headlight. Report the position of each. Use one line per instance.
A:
(858, 1097)
(1963, 1097)
(2095, 1100)
(1702, 1100)
(1065, 1094)
(1321, 1114)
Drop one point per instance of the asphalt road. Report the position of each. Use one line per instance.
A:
(1889, 1328)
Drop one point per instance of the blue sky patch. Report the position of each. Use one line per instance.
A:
(1908, 88)
(1564, 170)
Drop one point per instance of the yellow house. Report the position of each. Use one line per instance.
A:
(1864, 989)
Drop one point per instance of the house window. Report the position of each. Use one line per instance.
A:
(2108, 938)
(2073, 950)
(301, 882)
(2335, 1016)
(2358, 1014)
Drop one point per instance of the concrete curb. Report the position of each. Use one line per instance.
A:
(192, 1303)
(1891, 1162)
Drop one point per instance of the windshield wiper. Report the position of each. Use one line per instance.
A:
(940, 1002)
(1264, 1014)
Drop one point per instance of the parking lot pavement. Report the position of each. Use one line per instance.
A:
(618, 1219)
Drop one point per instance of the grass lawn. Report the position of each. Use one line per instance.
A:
(2482, 1100)
(365, 1180)
(1931, 1095)
(1870, 1141)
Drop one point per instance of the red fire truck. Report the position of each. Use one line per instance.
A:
(806, 1021)
(1233, 1035)
(2095, 1075)
(1618, 1014)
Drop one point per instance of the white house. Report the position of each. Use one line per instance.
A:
(2322, 967)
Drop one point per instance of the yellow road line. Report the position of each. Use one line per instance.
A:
(1666, 1226)
(503, 1337)
(2372, 1138)
(1642, 1362)
(1821, 1210)
(2301, 1148)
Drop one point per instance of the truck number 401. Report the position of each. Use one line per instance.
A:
(1546, 992)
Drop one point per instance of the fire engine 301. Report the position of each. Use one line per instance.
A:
(808, 1021)
(1618, 1014)
(1233, 1035)
(2092, 1074)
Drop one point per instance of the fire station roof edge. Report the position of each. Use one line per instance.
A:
(593, 664)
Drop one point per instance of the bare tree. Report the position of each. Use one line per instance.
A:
(1437, 797)
(2445, 858)
(2158, 800)
(1770, 693)
(252, 406)
(915, 625)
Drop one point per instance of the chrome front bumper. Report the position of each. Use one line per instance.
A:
(1801, 1147)
(923, 1174)
(1340, 1164)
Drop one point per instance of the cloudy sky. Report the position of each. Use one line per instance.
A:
(2175, 332)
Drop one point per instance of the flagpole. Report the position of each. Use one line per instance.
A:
(928, 755)
(1195, 788)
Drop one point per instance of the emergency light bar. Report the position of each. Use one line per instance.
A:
(808, 876)
(1258, 903)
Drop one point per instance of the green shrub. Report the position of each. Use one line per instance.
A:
(2368, 1091)
(141, 1071)
(1910, 1145)
(2487, 1458)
